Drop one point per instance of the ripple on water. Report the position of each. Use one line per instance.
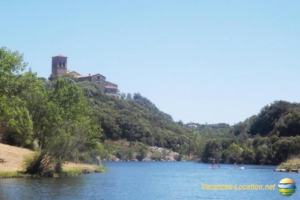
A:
(150, 180)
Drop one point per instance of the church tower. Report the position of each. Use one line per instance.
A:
(59, 65)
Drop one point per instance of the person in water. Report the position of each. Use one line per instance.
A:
(213, 163)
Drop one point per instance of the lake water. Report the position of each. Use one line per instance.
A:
(151, 180)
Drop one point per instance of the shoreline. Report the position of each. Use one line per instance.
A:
(75, 171)
(12, 165)
(287, 170)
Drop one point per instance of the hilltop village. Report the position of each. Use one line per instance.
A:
(60, 67)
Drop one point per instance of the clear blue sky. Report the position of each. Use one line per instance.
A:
(202, 61)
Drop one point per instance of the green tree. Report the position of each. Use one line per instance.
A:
(129, 96)
(212, 150)
(268, 116)
(66, 128)
(233, 153)
(142, 153)
(20, 125)
(123, 95)
(11, 64)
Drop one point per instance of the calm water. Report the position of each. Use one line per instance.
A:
(150, 180)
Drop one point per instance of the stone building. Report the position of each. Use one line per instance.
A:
(59, 65)
(59, 68)
(111, 89)
(96, 78)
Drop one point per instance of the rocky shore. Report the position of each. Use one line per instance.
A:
(287, 170)
(154, 154)
(290, 165)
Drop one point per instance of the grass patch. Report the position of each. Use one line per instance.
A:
(291, 163)
(15, 174)
(101, 169)
(83, 170)
(65, 172)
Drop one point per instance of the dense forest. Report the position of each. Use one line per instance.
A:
(63, 119)
(270, 137)
(273, 133)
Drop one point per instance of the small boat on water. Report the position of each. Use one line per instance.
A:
(241, 168)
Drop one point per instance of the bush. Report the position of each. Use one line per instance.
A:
(142, 154)
(37, 164)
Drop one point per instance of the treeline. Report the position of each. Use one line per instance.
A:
(270, 137)
(275, 130)
(51, 117)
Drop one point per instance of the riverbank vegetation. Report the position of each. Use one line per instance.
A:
(123, 150)
(291, 163)
(79, 170)
(14, 162)
(270, 137)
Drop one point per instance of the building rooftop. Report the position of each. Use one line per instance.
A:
(110, 83)
(73, 72)
(59, 55)
(111, 87)
(90, 75)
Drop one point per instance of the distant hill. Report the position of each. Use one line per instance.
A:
(209, 130)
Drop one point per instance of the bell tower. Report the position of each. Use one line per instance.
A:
(59, 65)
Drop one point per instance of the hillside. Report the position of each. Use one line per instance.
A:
(134, 119)
(274, 131)
(13, 157)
